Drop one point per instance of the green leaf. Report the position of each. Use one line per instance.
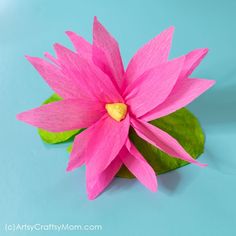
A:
(69, 148)
(183, 126)
(55, 137)
(53, 98)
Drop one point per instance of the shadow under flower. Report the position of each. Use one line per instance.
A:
(121, 184)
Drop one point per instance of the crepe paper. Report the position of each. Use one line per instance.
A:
(184, 127)
(53, 98)
(56, 137)
(69, 148)
(99, 95)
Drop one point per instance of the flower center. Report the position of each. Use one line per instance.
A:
(116, 110)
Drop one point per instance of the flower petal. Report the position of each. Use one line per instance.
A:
(153, 87)
(88, 75)
(135, 162)
(184, 92)
(192, 60)
(162, 140)
(80, 145)
(108, 139)
(97, 184)
(83, 47)
(61, 84)
(152, 54)
(63, 115)
(103, 41)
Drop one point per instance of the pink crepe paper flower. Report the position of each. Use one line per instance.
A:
(98, 94)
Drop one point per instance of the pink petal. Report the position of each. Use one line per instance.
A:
(153, 87)
(63, 115)
(162, 140)
(100, 60)
(90, 53)
(83, 47)
(184, 92)
(103, 41)
(134, 161)
(62, 85)
(88, 76)
(96, 185)
(108, 139)
(192, 60)
(80, 145)
(152, 54)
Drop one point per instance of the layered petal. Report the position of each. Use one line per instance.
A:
(108, 138)
(162, 140)
(153, 87)
(152, 54)
(89, 77)
(59, 82)
(80, 145)
(83, 47)
(184, 92)
(192, 60)
(138, 166)
(96, 185)
(70, 114)
(106, 53)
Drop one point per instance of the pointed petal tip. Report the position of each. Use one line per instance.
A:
(29, 58)
(212, 82)
(201, 51)
(200, 164)
(69, 33)
(56, 45)
(19, 116)
(95, 19)
(34, 60)
(92, 194)
(91, 197)
(69, 168)
(209, 83)
(170, 31)
(205, 50)
(23, 116)
(171, 28)
(97, 24)
(153, 188)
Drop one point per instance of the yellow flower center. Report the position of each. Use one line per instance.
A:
(116, 110)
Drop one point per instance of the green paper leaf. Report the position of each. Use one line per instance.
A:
(183, 126)
(69, 148)
(56, 137)
(53, 98)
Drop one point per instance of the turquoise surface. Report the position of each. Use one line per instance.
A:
(34, 186)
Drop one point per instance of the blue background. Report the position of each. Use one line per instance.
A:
(34, 187)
